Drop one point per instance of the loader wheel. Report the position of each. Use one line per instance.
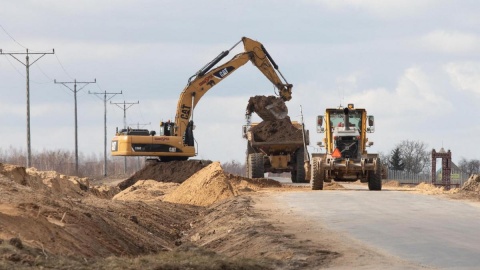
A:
(375, 178)
(318, 174)
(256, 169)
(299, 166)
(293, 176)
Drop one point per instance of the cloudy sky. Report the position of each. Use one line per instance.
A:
(413, 64)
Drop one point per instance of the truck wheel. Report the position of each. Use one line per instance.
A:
(293, 176)
(256, 169)
(299, 166)
(318, 174)
(375, 178)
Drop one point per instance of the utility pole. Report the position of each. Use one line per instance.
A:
(74, 90)
(105, 99)
(125, 108)
(138, 127)
(27, 64)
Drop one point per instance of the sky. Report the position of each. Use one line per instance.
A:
(413, 64)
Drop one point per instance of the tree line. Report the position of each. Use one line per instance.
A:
(416, 157)
(63, 161)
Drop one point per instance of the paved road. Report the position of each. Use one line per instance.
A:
(429, 230)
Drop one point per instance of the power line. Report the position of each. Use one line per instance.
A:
(75, 90)
(125, 108)
(27, 64)
(12, 37)
(105, 99)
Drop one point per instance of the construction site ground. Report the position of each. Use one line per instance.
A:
(194, 216)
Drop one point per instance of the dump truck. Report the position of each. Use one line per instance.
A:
(345, 158)
(277, 144)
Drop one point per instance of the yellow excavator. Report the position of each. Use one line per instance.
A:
(175, 141)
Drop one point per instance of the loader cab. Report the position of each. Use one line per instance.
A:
(333, 124)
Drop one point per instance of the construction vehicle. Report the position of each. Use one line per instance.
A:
(176, 140)
(345, 142)
(277, 154)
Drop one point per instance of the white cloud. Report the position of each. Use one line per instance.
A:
(414, 96)
(451, 41)
(465, 76)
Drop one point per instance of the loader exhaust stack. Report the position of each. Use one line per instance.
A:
(346, 119)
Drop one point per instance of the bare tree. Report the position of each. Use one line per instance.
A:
(415, 156)
(469, 166)
(234, 167)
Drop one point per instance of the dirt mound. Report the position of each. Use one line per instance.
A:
(207, 186)
(276, 131)
(173, 171)
(63, 215)
(203, 188)
(473, 184)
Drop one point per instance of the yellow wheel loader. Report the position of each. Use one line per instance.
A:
(345, 158)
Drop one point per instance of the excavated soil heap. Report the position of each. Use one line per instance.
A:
(276, 131)
(473, 183)
(203, 188)
(173, 171)
(211, 185)
(54, 183)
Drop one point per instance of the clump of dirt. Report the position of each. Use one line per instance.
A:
(173, 171)
(276, 131)
(267, 107)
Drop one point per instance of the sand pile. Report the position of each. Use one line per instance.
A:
(204, 188)
(173, 171)
(473, 184)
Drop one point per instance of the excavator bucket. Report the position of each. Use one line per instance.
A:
(269, 108)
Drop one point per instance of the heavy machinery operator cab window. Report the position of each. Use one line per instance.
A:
(355, 119)
(166, 128)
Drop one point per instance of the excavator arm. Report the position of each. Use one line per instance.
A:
(207, 77)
